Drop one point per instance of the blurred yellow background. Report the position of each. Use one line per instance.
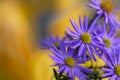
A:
(22, 24)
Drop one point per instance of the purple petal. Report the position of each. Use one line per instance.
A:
(100, 12)
(108, 74)
(79, 74)
(107, 70)
(97, 53)
(62, 46)
(98, 46)
(94, 2)
(108, 64)
(93, 6)
(75, 45)
(81, 49)
(85, 23)
(61, 68)
(91, 53)
(118, 78)
(119, 58)
(112, 33)
(66, 70)
(56, 59)
(57, 53)
(71, 41)
(101, 43)
(106, 18)
(72, 33)
(80, 22)
(82, 60)
(52, 37)
(86, 70)
(85, 53)
(92, 25)
(114, 77)
(71, 75)
(104, 29)
(71, 51)
(75, 26)
(116, 41)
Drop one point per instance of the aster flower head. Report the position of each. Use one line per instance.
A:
(50, 42)
(84, 38)
(113, 66)
(107, 10)
(108, 38)
(69, 62)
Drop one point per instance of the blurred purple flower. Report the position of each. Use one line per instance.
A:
(84, 38)
(50, 42)
(107, 10)
(68, 62)
(113, 66)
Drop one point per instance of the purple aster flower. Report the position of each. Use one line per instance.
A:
(106, 8)
(51, 41)
(108, 38)
(69, 63)
(113, 66)
(98, 29)
(84, 38)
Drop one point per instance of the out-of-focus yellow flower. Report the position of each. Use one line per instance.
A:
(18, 57)
(41, 66)
(15, 43)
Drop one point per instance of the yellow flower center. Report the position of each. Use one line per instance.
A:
(107, 6)
(70, 61)
(86, 38)
(117, 70)
(107, 42)
(56, 44)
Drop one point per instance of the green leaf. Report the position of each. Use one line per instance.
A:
(65, 77)
(56, 74)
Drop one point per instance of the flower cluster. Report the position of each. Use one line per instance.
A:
(88, 39)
